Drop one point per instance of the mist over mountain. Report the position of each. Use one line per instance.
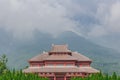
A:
(19, 52)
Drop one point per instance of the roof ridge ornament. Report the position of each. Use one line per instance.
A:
(52, 44)
(44, 51)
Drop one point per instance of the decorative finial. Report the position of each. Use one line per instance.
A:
(43, 51)
(52, 45)
(66, 45)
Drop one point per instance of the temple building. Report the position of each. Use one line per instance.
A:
(60, 63)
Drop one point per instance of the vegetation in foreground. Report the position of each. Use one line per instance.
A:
(6, 74)
(18, 75)
(99, 76)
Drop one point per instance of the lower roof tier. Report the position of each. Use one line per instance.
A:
(60, 69)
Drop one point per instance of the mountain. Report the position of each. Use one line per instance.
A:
(19, 52)
(112, 41)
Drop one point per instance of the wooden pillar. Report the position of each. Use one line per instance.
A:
(65, 77)
(54, 77)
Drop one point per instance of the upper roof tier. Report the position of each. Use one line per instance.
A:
(60, 48)
(59, 51)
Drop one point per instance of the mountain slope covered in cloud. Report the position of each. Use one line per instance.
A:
(103, 58)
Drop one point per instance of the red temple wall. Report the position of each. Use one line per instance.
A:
(54, 63)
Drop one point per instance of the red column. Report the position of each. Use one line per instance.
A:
(65, 77)
(54, 77)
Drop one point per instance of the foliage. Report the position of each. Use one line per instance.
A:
(3, 62)
(99, 76)
(6, 74)
(19, 75)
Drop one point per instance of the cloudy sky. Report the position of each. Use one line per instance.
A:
(97, 20)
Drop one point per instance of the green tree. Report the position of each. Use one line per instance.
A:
(99, 76)
(114, 76)
(3, 64)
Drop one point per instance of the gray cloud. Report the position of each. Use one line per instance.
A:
(109, 19)
(92, 19)
(23, 17)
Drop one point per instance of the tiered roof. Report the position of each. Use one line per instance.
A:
(60, 52)
(58, 56)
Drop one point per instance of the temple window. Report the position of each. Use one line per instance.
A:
(49, 64)
(69, 64)
(85, 65)
(59, 64)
